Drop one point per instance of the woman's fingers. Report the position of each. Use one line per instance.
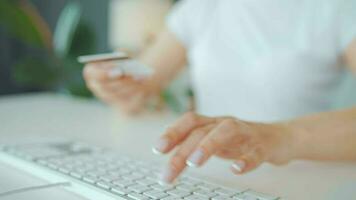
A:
(222, 135)
(124, 92)
(97, 71)
(177, 162)
(247, 162)
(179, 131)
(115, 91)
(248, 144)
(121, 90)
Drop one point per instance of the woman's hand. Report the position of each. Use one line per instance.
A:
(197, 138)
(124, 92)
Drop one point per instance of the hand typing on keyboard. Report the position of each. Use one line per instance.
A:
(196, 138)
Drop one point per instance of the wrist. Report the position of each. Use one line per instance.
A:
(285, 146)
(156, 85)
(296, 144)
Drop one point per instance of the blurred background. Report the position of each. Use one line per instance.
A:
(41, 39)
(41, 36)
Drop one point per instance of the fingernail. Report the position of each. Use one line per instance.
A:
(161, 146)
(115, 72)
(195, 159)
(239, 165)
(166, 177)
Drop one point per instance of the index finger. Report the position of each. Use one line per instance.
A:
(221, 136)
(98, 71)
(180, 130)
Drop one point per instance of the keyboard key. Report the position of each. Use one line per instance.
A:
(119, 190)
(191, 181)
(252, 195)
(155, 194)
(114, 173)
(133, 177)
(244, 197)
(222, 197)
(207, 186)
(139, 188)
(205, 193)
(104, 185)
(146, 182)
(121, 171)
(96, 173)
(179, 193)
(123, 183)
(76, 175)
(162, 187)
(109, 178)
(186, 187)
(144, 170)
(152, 175)
(171, 198)
(227, 192)
(90, 179)
(196, 197)
(137, 196)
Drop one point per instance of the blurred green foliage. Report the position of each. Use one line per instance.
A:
(18, 23)
(52, 64)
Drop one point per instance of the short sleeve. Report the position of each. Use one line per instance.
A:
(347, 23)
(187, 19)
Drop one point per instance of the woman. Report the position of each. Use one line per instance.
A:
(257, 67)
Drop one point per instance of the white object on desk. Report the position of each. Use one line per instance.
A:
(13, 179)
(49, 115)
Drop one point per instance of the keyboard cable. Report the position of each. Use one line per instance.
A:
(34, 188)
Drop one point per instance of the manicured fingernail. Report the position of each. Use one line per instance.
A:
(195, 159)
(161, 146)
(239, 165)
(115, 72)
(166, 177)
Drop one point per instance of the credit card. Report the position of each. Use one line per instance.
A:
(103, 57)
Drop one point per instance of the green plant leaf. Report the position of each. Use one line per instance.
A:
(84, 41)
(72, 82)
(66, 27)
(18, 23)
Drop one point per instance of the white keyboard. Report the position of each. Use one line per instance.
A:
(112, 176)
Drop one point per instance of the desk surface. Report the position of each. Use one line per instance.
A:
(50, 115)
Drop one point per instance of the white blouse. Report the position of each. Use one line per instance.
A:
(264, 60)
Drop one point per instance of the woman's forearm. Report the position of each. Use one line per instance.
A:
(325, 136)
(167, 56)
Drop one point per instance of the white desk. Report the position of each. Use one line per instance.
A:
(49, 115)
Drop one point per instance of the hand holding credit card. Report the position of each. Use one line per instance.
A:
(125, 65)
